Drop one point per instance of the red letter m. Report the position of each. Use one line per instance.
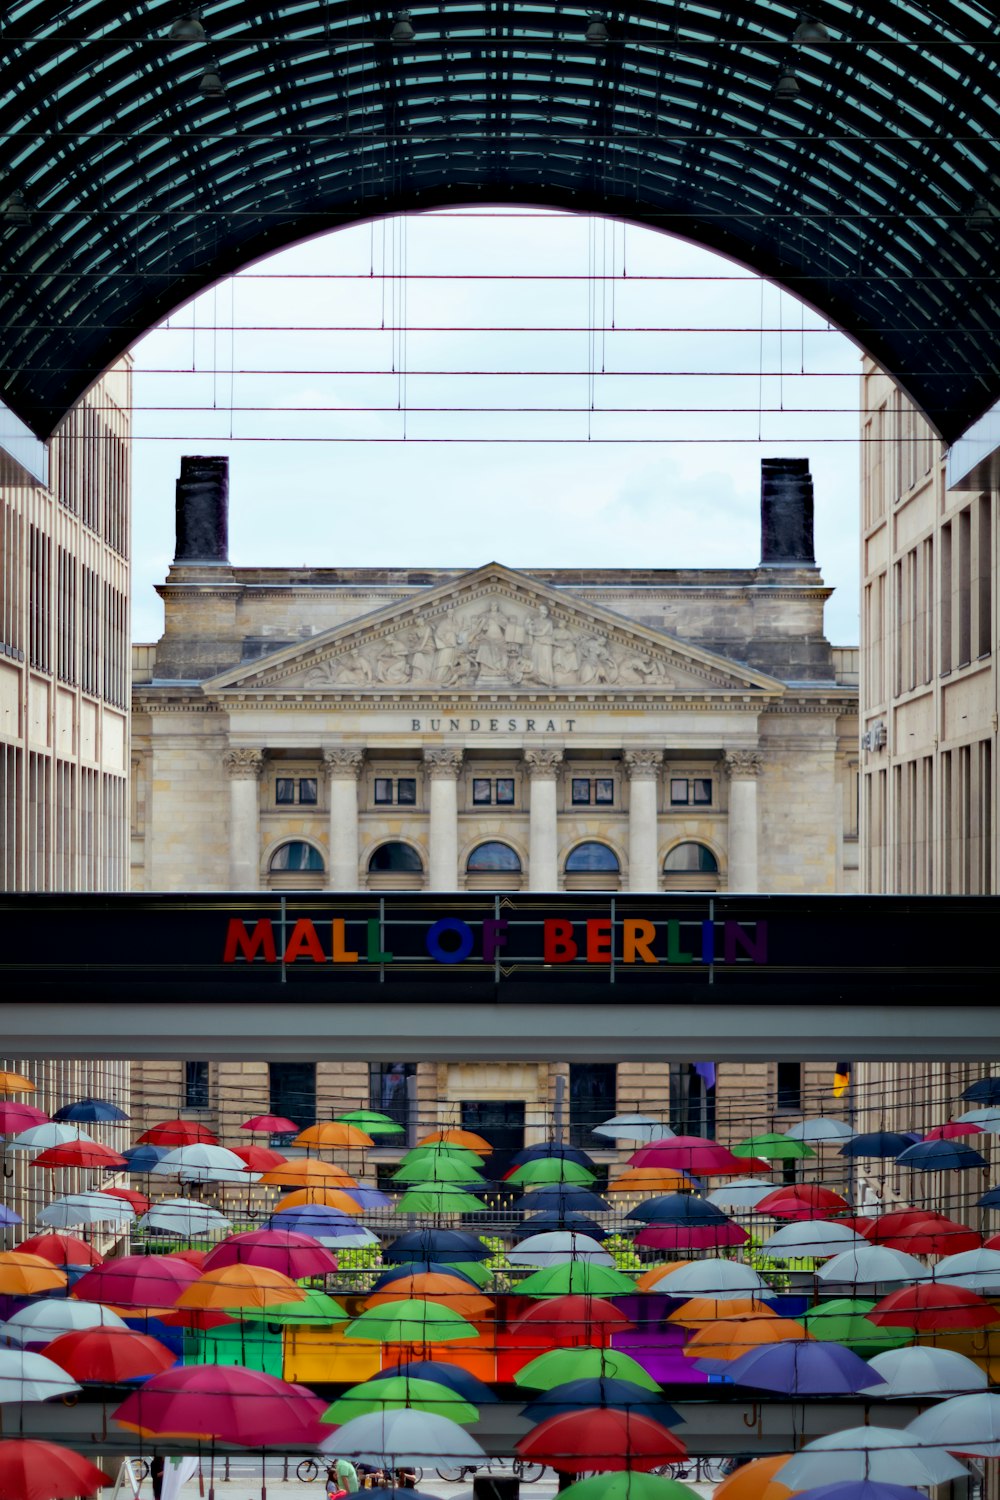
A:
(239, 941)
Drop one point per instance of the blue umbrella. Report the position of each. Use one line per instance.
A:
(564, 1197)
(677, 1208)
(877, 1143)
(436, 1244)
(142, 1159)
(573, 1223)
(312, 1218)
(546, 1149)
(940, 1156)
(421, 1268)
(101, 1111)
(802, 1367)
(984, 1090)
(464, 1384)
(603, 1390)
(990, 1199)
(368, 1197)
(860, 1489)
(8, 1216)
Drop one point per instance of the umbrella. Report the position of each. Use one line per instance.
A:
(844, 1320)
(411, 1321)
(651, 1180)
(203, 1162)
(227, 1402)
(698, 1312)
(934, 1306)
(270, 1125)
(468, 1386)
(876, 1143)
(138, 1202)
(820, 1130)
(49, 1133)
(922, 1232)
(546, 1149)
(816, 1238)
(601, 1391)
(600, 1438)
(628, 1484)
(740, 1194)
(401, 1391)
(940, 1156)
(755, 1481)
(801, 1200)
(137, 1281)
(712, 1277)
(773, 1146)
(983, 1091)
(233, 1286)
(692, 1154)
(257, 1158)
(438, 1198)
(41, 1322)
(987, 1119)
(802, 1369)
(8, 1217)
(438, 1169)
(62, 1250)
(468, 1138)
(730, 1337)
(14, 1117)
(680, 1221)
(183, 1216)
(102, 1111)
(142, 1159)
(550, 1169)
(878, 1453)
(568, 1320)
(398, 1436)
(307, 1171)
(976, 1269)
(862, 1489)
(871, 1264)
(549, 1249)
(178, 1133)
(296, 1255)
(471, 1274)
(565, 1197)
(951, 1130)
(581, 1276)
(32, 1377)
(314, 1220)
(440, 1151)
(332, 1134)
(15, 1083)
(919, 1371)
(963, 1424)
(340, 1198)
(367, 1197)
(85, 1208)
(639, 1128)
(315, 1308)
(437, 1245)
(565, 1223)
(34, 1470)
(446, 1290)
(371, 1122)
(990, 1199)
(90, 1155)
(27, 1275)
(109, 1355)
(559, 1366)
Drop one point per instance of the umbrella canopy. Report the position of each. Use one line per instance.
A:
(109, 1355)
(442, 1149)
(454, 1377)
(740, 1194)
(24, 1275)
(878, 1453)
(677, 1208)
(90, 1155)
(401, 1391)
(178, 1133)
(62, 1250)
(555, 1149)
(40, 1137)
(844, 1320)
(816, 1238)
(940, 1156)
(467, 1138)
(41, 1322)
(34, 1470)
(969, 1425)
(934, 1306)
(600, 1438)
(802, 1369)
(651, 1180)
(183, 1216)
(295, 1255)
(472, 1274)
(875, 1144)
(820, 1130)
(870, 1265)
(566, 1223)
(372, 1122)
(315, 1309)
(692, 1154)
(32, 1377)
(601, 1391)
(979, 1270)
(396, 1437)
(367, 1197)
(76, 1209)
(862, 1489)
(15, 1083)
(731, 1337)
(698, 1312)
(307, 1171)
(438, 1198)
(411, 1321)
(14, 1117)
(581, 1276)
(437, 1245)
(773, 1146)
(801, 1200)
(565, 1197)
(550, 1249)
(226, 1287)
(983, 1091)
(137, 1281)
(755, 1481)
(713, 1277)
(256, 1158)
(270, 1125)
(101, 1111)
(333, 1134)
(921, 1232)
(340, 1198)
(315, 1220)
(203, 1162)
(639, 1128)
(142, 1159)
(446, 1291)
(439, 1169)
(952, 1130)
(138, 1202)
(919, 1371)
(227, 1402)
(628, 1484)
(697, 1236)
(550, 1169)
(8, 1217)
(559, 1366)
(572, 1319)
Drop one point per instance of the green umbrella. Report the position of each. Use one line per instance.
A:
(550, 1169)
(371, 1122)
(317, 1308)
(412, 1321)
(629, 1484)
(576, 1276)
(476, 1270)
(440, 1169)
(438, 1198)
(559, 1366)
(843, 1321)
(441, 1149)
(401, 1390)
(773, 1147)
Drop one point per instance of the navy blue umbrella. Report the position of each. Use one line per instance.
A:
(144, 1158)
(877, 1143)
(803, 1367)
(547, 1149)
(940, 1156)
(990, 1199)
(565, 1197)
(677, 1208)
(312, 1218)
(984, 1090)
(94, 1111)
(573, 1223)
(464, 1384)
(436, 1244)
(419, 1268)
(602, 1390)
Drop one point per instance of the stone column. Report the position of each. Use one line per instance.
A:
(542, 767)
(642, 767)
(442, 767)
(343, 768)
(244, 767)
(743, 767)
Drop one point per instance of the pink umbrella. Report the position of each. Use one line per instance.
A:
(224, 1402)
(690, 1236)
(137, 1281)
(271, 1125)
(17, 1117)
(294, 1255)
(952, 1131)
(697, 1156)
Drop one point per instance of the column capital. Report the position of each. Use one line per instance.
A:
(244, 763)
(443, 765)
(542, 762)
(742, 764)
(642, 765)
(343, 761)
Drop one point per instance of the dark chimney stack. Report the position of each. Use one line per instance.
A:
(786, 513)
(203, 511)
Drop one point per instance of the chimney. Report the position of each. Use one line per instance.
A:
(786, 513)
(203, 511)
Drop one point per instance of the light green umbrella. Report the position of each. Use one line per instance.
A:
(629, 1484)
(371, 1122)
(318, 1309)
(843, 1320)
(773, 1147)
(559, 1366)
(550, 1169)
(438, 1198)
(439, 1169)
(443, 1149)
(401, 1390)
(576, 1276)
(412, 1321)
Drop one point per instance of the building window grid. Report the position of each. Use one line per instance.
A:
(400, 791)
(689, 791)
(292, 790)
(592, 791)
(493, 791)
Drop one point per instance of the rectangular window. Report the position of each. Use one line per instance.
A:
(593, 1098)
(307, 789)
(701, 788)
(580, 793)
(790, 1086)
(604, 791)
(687, 790)
(964, 586)
(196, 1085)
(398, 789)
(482, 789)
(387, 1088)
(284, 790)
(292, 1091)
(946, 598)
(383, 788)
(678, 791)
(505, 790)
(984, 573)
(406, 790)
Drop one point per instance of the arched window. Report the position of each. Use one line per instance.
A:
(690, 867)
(395, 866)
(295, 855)
(592, 867)
(493, 866)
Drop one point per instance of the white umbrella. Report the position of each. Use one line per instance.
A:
(821, 1129)
(41, 1137)
(740, 1193)
(813, 1237)
(965, 1424)
(870, 1265)
(200, 1162)
(987, 1119)
(714, 1277)
(86, 1208)
(559, 1245)
(878, 1453)
(976, 1270)
(41, 1322)
(919, 1370)
(184, 1216)
(640, 1128)
(32, 1377)
(402, 1436)
(348, 1238)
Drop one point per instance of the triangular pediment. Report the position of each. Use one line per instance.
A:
(493, 630)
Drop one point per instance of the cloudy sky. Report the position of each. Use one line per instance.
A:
(355, 383)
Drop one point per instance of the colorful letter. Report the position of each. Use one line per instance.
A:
(494, 937)
(637, 935)
(339, 954)
(462, 931)
(754, 948)
(304, 941)
(247, 944)
(675, 955)
(559, 945)
(599, 940)
(375, 954)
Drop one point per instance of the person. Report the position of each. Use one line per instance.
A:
(341, 1478)
(156, 1474)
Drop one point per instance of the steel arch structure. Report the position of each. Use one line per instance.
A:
(873, 192)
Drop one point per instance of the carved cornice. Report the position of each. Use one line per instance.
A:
(443, 765)
(343, 762)
(643, 765)
(742, 764)
(540, 763)
(244, 764)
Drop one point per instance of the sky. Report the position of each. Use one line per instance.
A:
(354, 381)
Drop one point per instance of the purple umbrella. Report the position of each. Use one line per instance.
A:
(802, 1367)
(860, 1489)
(8, 1216)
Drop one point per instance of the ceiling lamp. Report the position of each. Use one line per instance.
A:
(787, 86)
(15, 210)
(982, 218)
(187, 29)
(596, 34)
(210, 84)
(810, 32)
(402, 32)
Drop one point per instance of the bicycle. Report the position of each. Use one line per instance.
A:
(704, 1470)
(527, 1473)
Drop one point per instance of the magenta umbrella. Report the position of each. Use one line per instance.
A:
(225, 1403)
(17, 1117)
(137, 1281)
(295, 1255)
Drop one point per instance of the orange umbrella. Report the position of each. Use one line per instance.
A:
(15, 1083)
(650, 1180)
(731, 1337)
(307, 1172)
(331, 1133)
(755, 1481)
(650, 1280)
(328, 1197)
(467, 1138)
(241, 1285)
(24, 1275)
(698, 1312)
(436, 1286)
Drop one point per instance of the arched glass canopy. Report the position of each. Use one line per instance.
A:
(850, 154)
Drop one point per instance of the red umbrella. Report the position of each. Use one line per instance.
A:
(860, 1223)
(697, 1156)
(178, 1133)
(109, 1355)
(690, 1236)
(225, 1402)
(271, 1125)
(62, 1250)
(259, 1158)
(600, 1437)
(294, 1255)
(921, 1232)
(15, 1117)
(570, 1320)
(804, 1200)
(933, 1306)
(199, 1318)
(193, 1257)
(32, 1470)
(79, 1154)
(140, 1281)
(952, 1130)
(140, 1203)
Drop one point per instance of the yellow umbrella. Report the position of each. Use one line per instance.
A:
(698, 1312)
(327, 1197)
(333, 1133)
(308, 1173)
(24, 1275)
(651, 1180)
(241, 1286)
(15, 1083)
(731, 1337)
(755, 1481)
